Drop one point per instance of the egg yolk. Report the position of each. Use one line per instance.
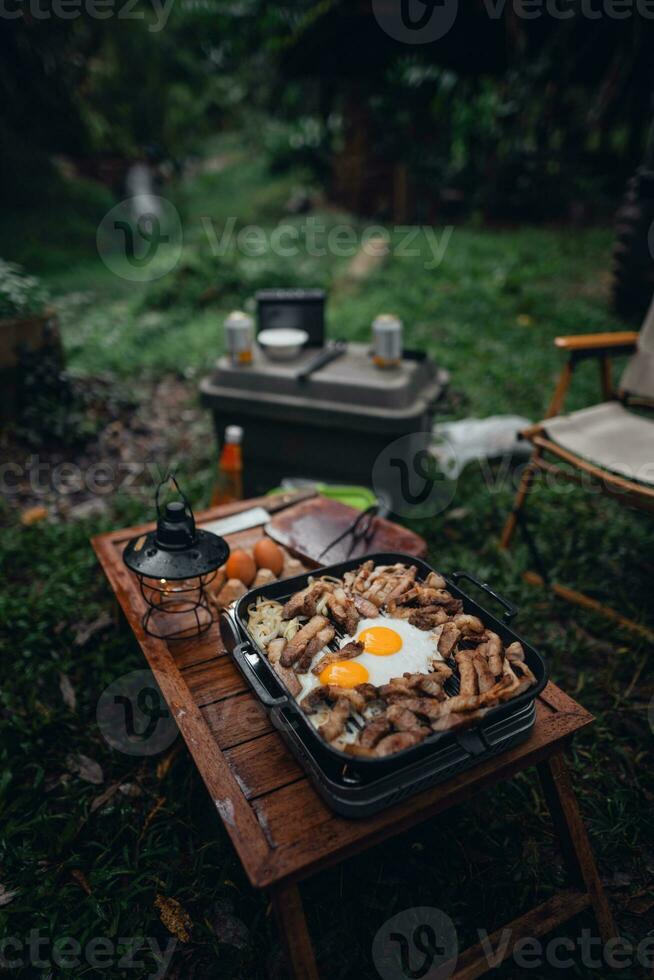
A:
(380, 640)
(344, 673)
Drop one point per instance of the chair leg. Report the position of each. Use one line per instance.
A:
(577, 853)
(294, 933)
(521, 497)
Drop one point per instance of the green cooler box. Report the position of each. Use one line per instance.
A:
(331, 426)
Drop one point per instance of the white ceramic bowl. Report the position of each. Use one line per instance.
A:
(282, 343)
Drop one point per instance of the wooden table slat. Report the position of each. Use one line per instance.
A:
(237, 719)
(262, 765)
(213, 680)
(198, 649)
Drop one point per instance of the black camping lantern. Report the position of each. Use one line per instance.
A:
(174, 564)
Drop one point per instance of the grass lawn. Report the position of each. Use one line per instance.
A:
(85, 859)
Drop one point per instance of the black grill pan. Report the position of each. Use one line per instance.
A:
(357, 787)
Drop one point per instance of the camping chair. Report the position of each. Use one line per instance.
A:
(609, 445)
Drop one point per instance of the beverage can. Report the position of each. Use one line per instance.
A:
(239, 332)
(387, 340)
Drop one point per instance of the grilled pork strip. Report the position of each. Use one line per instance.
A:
(485, 677)
(457, 719)
(410, 684)
(494, 653)
(469, 625)
(387, 582)
(399, 612)
(448, 639)
(336, 719)
(314, 646)
(328, 694)
(374, 731)
(404, 720)
(402, 585)
(367, 609)
(316, 700)
(435, 581)
(348, 652)
(397, 686)
(422, 595)
(467, 673)
(502, 691)
(428, 618)
(357, 579)
(296, 647)
(286, 674)
(343, 610)
(367, 691)
(398, 741)
(351, 694)
(432, 686)
(515, 657)
(426, 707)
(304, 603)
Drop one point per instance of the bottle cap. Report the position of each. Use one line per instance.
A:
(233, 434)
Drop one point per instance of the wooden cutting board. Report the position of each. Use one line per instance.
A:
(307, 528)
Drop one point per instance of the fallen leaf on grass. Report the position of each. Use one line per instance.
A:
(67, 692)
(130, 789)
(176, 919)
(103, 798)
(84, 631)
(87, 769)
(164, 764)
(81, 879)
(33, 515)
(6, 896)
(152, 814)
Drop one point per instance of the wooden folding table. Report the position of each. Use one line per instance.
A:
(271, 812)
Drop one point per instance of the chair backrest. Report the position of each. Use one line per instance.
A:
(638, 378)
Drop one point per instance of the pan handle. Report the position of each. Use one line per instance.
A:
(246, 658)
(510, 611)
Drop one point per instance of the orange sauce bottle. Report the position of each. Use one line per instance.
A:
(229, 480)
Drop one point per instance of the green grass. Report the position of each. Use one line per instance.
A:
(489, 313)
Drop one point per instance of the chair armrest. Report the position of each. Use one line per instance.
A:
(598, 344)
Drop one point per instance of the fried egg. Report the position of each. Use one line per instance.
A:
(391, 647)
(381, 641)
(344, 673)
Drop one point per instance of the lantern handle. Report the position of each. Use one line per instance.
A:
(171, 478)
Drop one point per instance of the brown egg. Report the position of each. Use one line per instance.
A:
(241, 565)
(269, 555)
